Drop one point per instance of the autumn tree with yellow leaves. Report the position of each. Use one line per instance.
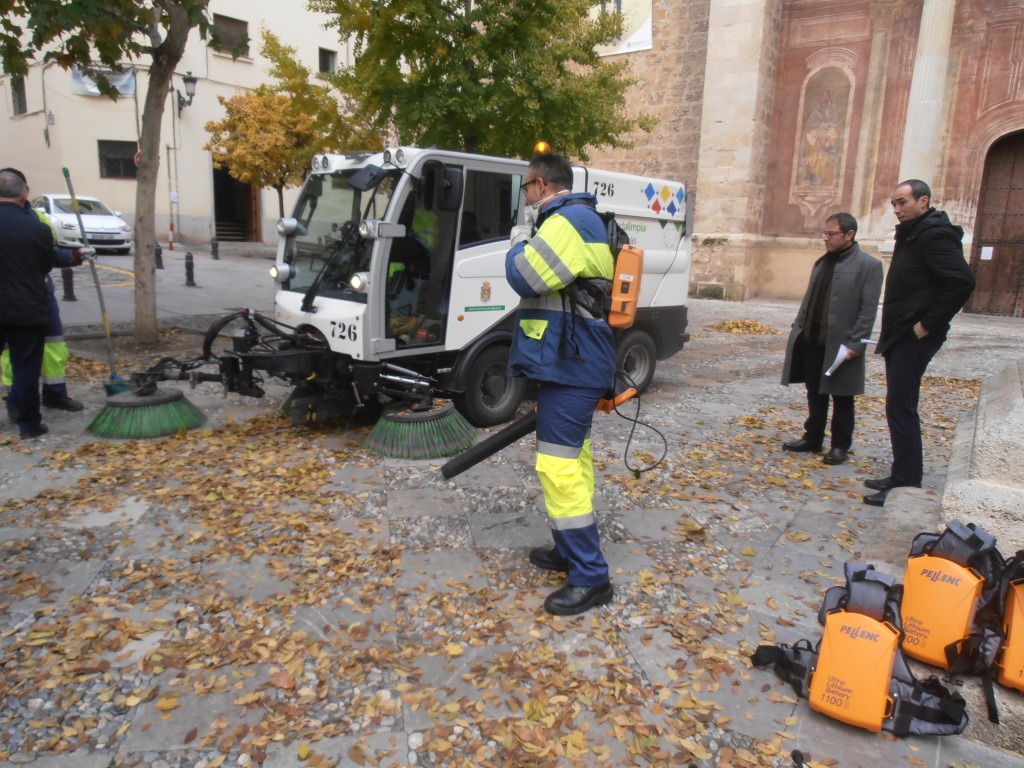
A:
(261, 141)
(268, 136)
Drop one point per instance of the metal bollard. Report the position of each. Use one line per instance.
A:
(189, 276)
(215, 249)
(67, 277)
(159, 252)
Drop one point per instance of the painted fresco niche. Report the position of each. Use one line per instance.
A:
(822, 139)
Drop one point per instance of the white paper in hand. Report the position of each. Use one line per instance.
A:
(840, 359)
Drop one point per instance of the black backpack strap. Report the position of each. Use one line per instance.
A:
(927, 708)
(870, 591)
(791, 663)
(963, 544)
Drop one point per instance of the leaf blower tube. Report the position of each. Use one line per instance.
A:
(517, 429)
(487, 448)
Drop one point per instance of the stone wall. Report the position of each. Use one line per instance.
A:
(670, 87)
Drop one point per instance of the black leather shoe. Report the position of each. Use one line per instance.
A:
(835, 456)
(548, 559)
(570, 600)
(880, 483)
(801, 446)
(65, 404)
(32, 434)
(876, 499)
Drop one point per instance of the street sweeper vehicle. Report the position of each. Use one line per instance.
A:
(392, 284)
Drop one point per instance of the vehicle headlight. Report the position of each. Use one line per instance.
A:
(125, 228)
(282, 273)
(287, 226)
(395, 157)
(359, 282)
(68, 225)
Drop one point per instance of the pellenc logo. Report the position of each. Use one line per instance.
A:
(857, 633)
(939, 576)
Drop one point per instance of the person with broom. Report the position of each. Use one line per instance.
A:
(55, 349)
(563, 341)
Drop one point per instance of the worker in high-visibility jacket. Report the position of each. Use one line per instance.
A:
(562, 340)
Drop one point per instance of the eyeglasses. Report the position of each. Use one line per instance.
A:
(526, 184)
(826, 233)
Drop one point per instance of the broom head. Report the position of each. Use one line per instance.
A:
(132, 416)
(402, 433)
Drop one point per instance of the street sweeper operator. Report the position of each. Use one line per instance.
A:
(562, 340)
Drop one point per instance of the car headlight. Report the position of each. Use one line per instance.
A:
(68, 225)
(125, 228)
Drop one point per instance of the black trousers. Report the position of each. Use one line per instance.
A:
(905, 363)
(817, 404)
(26, 346)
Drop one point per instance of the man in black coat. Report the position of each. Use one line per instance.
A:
(929, 281)
(27, 255)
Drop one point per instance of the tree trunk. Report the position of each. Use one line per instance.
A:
(280, 201)
(165, 57)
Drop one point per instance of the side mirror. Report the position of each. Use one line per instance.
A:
(316, 186)
(366, 178)
(450, 190)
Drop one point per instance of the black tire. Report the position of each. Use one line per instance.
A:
(638, 357)
(492, 396)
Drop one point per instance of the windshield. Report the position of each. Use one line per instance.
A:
(86, 207)
(329, 211)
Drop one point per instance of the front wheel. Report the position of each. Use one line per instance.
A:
(492, 396)
(637, 356)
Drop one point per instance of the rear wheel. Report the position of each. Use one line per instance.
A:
(492, 396)
(637, 356)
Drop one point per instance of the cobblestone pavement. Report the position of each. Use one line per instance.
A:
(255, 594)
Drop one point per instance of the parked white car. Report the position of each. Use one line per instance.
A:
(105, 229)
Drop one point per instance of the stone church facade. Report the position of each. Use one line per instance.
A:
(777, 113)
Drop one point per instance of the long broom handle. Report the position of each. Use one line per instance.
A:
(95, 274)
(486, 448)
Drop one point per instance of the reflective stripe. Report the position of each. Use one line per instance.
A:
(571, 523)
(559, 269)
(560, 451)
(553, 302)
(529, 274)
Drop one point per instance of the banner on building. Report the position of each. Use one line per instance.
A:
(85, 85)
(637, 25)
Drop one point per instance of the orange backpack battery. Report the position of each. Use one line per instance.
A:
(855, 661)
(939, 600)
(629, 267)
(1011, 664)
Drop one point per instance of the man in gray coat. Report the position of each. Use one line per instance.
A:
(837, 312)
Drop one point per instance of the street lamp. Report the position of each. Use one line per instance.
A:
(190, 81)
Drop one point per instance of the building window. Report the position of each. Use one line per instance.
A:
(328, 61)
(117, 159)
(232, 35)
(18, 99)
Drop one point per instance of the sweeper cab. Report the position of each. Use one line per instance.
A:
(392, 283)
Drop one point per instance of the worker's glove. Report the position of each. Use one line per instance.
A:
(520, 232)
(79, 255)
